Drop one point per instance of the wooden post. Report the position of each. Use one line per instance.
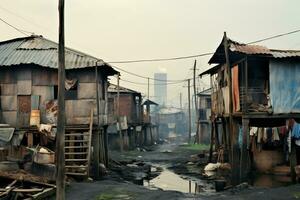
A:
(244, 161)
(96, 142)
(118, 110)
(60, 135)
(293, 162)
(148, 91)
(234, 148)
(180, 98)
(196, 106)
(189, 110)
(211, 139)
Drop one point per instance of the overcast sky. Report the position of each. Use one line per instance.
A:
(115, 30)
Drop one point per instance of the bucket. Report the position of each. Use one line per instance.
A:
(35, 118)
(220, 185)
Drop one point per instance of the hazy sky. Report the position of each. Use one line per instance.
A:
(116, 30)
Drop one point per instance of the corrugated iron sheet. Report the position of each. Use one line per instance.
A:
(114, 88)
(40, 51)
(257, 49)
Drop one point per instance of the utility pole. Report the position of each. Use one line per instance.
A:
(196, 106)
(118, 111)
(180, 96)
(148, 88)
(96, 137)
(189, 109)
(60, 135)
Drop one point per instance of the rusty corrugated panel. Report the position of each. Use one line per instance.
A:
(257, 49)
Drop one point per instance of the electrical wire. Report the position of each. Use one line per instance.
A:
(203, 54)
(275, 36)
(140, 83)
(17, 29)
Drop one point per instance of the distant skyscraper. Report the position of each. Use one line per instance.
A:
(160, 88)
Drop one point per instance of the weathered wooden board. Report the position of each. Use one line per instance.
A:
(24, 109)
(8, 89)
(86, 91)
(24, 74)
(83, 76)
(8, 103)
(8, 76)
(24, 87)
(10, 117)
(44, 77)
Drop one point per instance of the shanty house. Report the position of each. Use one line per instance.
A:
(130, 113)
(29, 90)
(253, 86)
(204, 112)
(172, 123)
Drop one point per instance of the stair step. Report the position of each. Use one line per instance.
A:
(77, 134)
(76, 147)
(76, 140)
(76, 166)
(76, 173)
(76, 153)
(75, 160)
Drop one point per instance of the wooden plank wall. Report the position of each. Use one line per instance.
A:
(27, 81)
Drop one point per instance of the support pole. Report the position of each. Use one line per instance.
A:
(189, 110)
(232, 135)
(118, 110)
(148, 91)
(180, 99)
(196, 106)
(96, 142)
(60, 135)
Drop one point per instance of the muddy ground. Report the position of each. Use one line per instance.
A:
(131, 165)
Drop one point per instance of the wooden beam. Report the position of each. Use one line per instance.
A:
(60, 135)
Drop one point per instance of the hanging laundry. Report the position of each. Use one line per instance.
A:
(253, 131)
(275, 135)
(296, 131)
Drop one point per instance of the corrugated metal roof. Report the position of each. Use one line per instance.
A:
(114, 88)
(40, 51)
(257, 49)
(250, 49)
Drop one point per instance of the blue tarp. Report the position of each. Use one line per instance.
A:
(285, 86)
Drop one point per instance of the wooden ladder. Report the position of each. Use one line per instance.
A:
(78, 151)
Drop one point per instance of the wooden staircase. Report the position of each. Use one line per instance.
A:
(78, 150)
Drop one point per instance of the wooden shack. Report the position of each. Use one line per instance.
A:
(204, 112)
(130, 111)
(172, 123)
(28, 80)
(252, 86)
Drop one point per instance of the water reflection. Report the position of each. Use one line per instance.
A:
(168, 180)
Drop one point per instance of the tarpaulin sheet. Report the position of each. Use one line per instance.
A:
(285, 86)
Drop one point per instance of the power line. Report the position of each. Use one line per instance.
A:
(140, 83)
(275, 36)
(200, 55)
(145, 77)
(17, 29)
(160, 59)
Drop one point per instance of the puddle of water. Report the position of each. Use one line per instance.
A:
(168, 180)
